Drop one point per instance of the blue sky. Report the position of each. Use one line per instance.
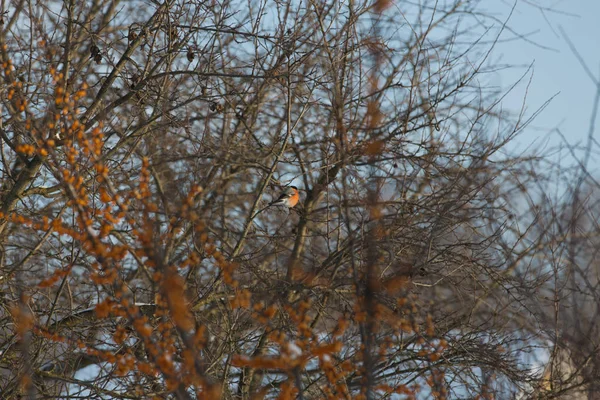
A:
(556, 69)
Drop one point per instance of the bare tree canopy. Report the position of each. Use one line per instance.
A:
(142, 142)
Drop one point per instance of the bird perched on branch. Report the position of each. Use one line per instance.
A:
(288, 198)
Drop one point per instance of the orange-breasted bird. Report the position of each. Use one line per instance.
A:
(288, 198)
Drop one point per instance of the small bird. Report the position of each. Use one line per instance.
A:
(288, 198)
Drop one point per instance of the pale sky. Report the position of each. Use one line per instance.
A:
(556, 69)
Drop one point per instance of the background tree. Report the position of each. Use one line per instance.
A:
(141, 141)
(565, 303)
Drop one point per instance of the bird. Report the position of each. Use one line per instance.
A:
(288, 198)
